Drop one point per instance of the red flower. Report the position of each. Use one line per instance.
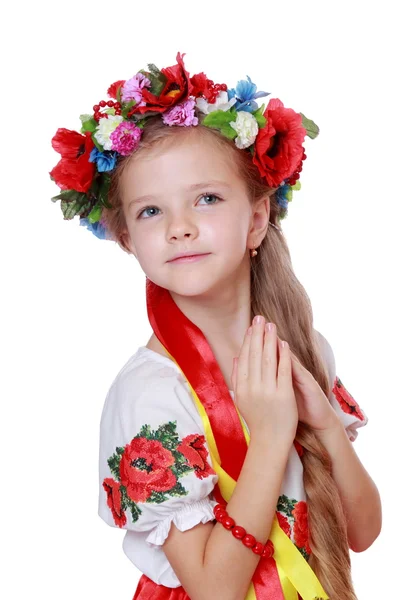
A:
(193, 449)
(300, 528)
(283, 523)
(155, 474)
(73, 171)
(278, 148)
(113, 490)
(177, 89)
(114, 87)
(206, 88)
(346, 400)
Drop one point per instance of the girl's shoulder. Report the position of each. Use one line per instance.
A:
(150, 390)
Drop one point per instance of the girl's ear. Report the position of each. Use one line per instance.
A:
(125, 243)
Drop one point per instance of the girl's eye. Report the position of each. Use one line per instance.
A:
(155, 208)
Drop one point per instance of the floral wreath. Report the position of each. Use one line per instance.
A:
(273, 135)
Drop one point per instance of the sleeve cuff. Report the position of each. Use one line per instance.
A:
(186, 518)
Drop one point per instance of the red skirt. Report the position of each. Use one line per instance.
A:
(147, 589)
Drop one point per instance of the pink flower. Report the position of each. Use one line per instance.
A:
(132, 89)
(181, 114)
(125, 138)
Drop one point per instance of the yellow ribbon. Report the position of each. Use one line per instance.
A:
(294, 572)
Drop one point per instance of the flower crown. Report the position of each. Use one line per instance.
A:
(273, 135)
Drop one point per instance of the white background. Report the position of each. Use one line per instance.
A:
(73, 307)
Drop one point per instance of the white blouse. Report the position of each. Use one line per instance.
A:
(155, 467)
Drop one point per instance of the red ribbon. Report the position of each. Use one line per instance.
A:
(190, 349)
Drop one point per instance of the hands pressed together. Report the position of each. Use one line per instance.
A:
(273, 390)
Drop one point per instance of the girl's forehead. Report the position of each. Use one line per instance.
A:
(185, 160)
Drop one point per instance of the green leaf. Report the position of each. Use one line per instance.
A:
(261, 120)
(178, 490)
(68, 196)
(114, 463)
(135, 511)
(259, 117)
(126, 108)
(217, 118)
(145, 431)
(228, 131)
(311, 128)
(286, 505)
(76, 207)
(157, 79)
(296, 186)
(157, 497)
(95, 214)
(96, 143)
(88, 123)
(104, 189)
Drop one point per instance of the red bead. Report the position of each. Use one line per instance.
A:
(268, 550)
(239, 532)
(96, 107)
(228, 522)
(117, 105)
(258, 548)
(304, 156)
(221, 514)
(299, 170)
(110, 103)
(117, 111)
(219, 507)
(102, 103)
(249, 540)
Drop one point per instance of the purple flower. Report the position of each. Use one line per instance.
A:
(181, 114)
(125, 138)
(132, 89)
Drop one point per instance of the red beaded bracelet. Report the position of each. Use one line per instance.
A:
(248, 540)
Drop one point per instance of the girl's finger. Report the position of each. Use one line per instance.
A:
(255, 351)
(285, 366)
(242, 368)
(269, 358)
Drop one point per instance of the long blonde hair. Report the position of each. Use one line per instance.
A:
(278, 295)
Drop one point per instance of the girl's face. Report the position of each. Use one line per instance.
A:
(187, 197)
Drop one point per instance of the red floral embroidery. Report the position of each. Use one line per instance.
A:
(346, 400)
(283, 523)
(300, 527)
(298, 447)
(114, 501)
(140, 483)
(193, 449)
(150, 467)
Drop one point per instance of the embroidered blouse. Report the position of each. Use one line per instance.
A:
(155, 468)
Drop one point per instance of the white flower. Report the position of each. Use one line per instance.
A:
(246, 127)
(105, 129)
(221, 103)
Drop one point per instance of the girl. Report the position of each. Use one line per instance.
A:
(225, 442)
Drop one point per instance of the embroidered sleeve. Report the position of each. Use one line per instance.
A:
(155, 466)
(350, 413)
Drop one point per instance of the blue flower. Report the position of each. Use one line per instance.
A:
(246, 95)
(106, 161)
(97, 228)
(281, 195)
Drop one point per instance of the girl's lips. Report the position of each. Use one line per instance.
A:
(187, 259)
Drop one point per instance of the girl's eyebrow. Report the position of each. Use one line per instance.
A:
(194, 186)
